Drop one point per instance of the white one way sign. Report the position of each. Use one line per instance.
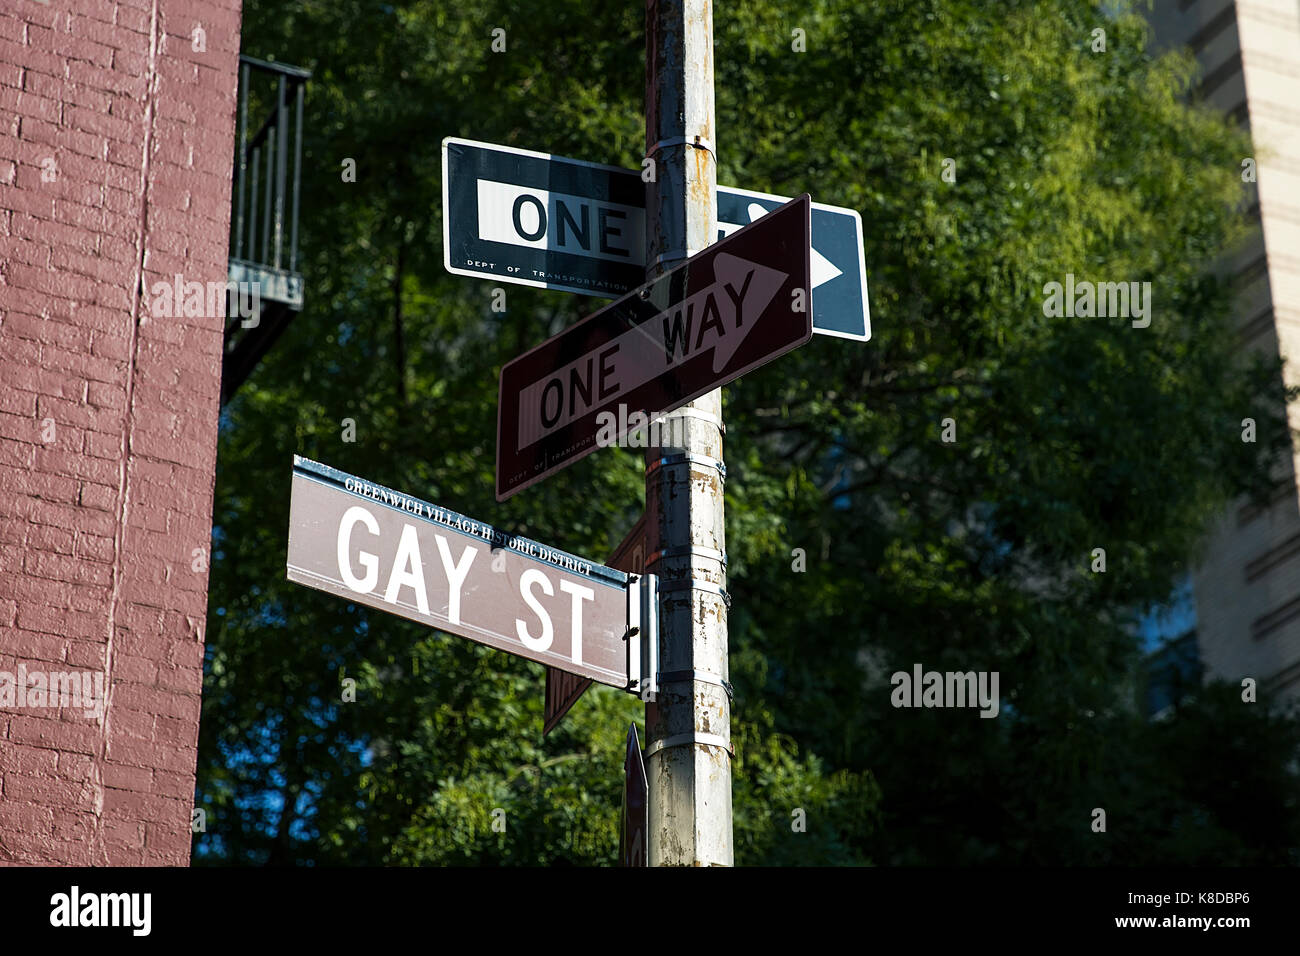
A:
(520, 216)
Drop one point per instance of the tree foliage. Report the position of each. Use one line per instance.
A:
(1072, 434)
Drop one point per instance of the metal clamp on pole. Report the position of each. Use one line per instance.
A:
(684, 458)
(692, 584)
(709, 740)
(697, 142)
(690, 411)
(704, 677)
(701, 552)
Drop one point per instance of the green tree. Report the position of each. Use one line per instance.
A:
(1071, 434)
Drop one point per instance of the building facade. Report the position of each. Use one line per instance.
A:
(117, 123)
(1248, 585)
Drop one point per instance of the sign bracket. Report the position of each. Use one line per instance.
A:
(704, 677)
(677, 740)
(633, 636)
(697, 141)
(693, 584)
(649, 636)
(686, 458)
(690, 411)
(698, 551)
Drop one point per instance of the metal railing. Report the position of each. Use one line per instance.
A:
(264, 179)
(264, 220)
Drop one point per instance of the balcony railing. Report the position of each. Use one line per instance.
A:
(264, 220)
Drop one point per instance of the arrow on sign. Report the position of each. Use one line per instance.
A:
(717, 317)
(823, 270)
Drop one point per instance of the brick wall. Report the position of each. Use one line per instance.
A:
(116, 138)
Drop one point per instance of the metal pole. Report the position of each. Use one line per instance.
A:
(688, 726)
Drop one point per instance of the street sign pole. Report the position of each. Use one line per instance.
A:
(688, 725)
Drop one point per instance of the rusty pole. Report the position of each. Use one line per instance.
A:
(688, 726)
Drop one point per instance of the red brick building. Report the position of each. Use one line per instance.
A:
(117, 124)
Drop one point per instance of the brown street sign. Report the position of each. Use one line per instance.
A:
(632, 835)
(392, 551)
(563, 689)
(728, 309)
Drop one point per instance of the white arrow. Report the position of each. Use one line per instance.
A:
(823, 270)
(715, 318)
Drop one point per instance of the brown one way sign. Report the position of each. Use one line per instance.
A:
(400, 554)
(728, 309)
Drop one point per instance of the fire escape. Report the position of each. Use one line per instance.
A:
(263, 238)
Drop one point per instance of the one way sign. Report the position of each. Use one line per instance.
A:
(839, 269)
(730, 308)
(531, 218)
